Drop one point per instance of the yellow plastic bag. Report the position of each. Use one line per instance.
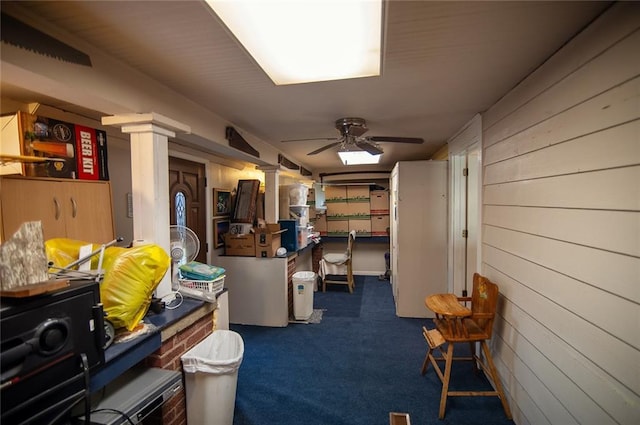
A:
(63, 251)
(130, 276)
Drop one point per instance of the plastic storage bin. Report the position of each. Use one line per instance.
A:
(298, 194)
(303, 294)
(211, 378)
(301, 213)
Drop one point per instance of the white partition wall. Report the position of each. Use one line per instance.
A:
(418, 234)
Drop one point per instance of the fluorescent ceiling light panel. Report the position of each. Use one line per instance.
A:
(358, 157)
(302, 41)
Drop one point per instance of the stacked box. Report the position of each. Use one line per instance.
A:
(379, 225)
(48, 138)
(338, 228)
(337, 211)
(103, 163)
(87, 153)
(240, 245)
(379, 202)
(78, 151)
(320, 225)
(358, 194)
(358, 211)
(362, 227)
(335, 194)
(268, 240)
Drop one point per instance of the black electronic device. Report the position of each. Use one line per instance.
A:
(49, 343)
(133, 396)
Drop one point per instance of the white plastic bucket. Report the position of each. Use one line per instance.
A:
(303, 294)
(211, 378)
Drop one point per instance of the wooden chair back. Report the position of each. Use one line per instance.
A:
(350, 244)
(484, 303)
(346, 263)
(456, 328)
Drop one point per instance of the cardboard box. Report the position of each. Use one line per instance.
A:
(268, 240)
(358, 210)
(87, 153)
(103, 163)
(337, 211)
(379, 202)
(81, 151)
(10, 143)
(320, 225)
(49, 138)
(358, 194)
(335, 194)
(338, 228)
(240, 245)
(362, 227)
(379, 225)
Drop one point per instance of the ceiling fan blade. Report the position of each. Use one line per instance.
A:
(324, 148)
(307, 140)
(416, 140)
(369, 147)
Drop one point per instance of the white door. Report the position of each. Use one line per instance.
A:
(465, 218)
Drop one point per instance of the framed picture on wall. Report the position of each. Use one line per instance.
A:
(221, 202)
(246, 199)
(220, 228)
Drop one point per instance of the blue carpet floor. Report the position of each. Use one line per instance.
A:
(354, 367)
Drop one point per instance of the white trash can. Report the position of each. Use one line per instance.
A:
(303, 294)
(211, 378)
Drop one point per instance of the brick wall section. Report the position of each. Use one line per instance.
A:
(291, 269)
(168, 356)
(316, 256)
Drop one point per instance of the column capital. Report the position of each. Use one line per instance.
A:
(146, 122)
(269, 168)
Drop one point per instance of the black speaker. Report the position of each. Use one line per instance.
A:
(48, 341)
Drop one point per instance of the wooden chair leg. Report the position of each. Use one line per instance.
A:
(496, 379)
(445, 382)
(324, 285)
(425, 363)
(474, 358)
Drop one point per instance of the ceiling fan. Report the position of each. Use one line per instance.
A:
(351, 138)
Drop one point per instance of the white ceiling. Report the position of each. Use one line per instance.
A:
(443, 63)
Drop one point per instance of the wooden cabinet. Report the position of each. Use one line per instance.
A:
(75, 209)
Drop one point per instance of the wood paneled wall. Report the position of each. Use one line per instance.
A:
(561, 229)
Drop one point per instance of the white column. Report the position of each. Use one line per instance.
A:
(149, 134)
(271, 190)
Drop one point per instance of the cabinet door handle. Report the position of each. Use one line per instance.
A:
(74, 208)
(57, 205)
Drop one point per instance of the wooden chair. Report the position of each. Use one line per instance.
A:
(339, 264)
(472, 329)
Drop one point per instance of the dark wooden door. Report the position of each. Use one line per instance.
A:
(187, 194)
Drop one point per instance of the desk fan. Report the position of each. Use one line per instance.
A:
(184, 246)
